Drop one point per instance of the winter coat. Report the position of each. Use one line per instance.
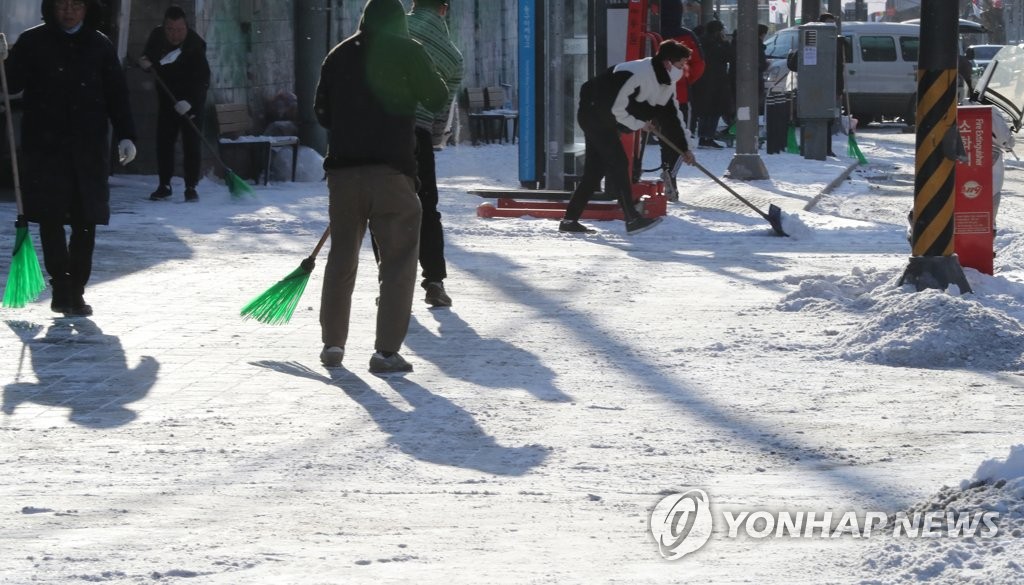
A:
(672, 28)
(428, 28)
(74, 86)
(370, 85)
(711, 94)
(188, 76)
(630, 94)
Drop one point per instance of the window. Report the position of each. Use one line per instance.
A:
(847, 48)
(877, 48)
(780, 44)
(909, 47)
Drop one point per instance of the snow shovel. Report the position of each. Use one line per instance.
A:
(774, 215)
(236, 185)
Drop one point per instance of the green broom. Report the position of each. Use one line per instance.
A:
(276, 305)
(792, 147)
(236, 185)
(25, 279)
(852, 149)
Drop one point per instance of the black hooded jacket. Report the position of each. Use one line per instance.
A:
(74, 89)
(188, 76)
(369, 87)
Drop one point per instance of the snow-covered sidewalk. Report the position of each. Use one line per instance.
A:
(576, 381)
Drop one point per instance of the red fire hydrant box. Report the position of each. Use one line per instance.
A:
(973, 220)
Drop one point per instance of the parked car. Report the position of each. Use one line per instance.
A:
(980, 56)
(881, 66)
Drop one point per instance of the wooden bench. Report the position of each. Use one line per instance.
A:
(496, 99)
(234, 124)
(486, 124)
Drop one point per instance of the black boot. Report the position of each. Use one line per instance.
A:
(61, 302)
(79, 308)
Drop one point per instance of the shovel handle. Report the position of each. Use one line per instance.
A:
(712, 176)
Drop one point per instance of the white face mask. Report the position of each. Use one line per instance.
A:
(675, 74)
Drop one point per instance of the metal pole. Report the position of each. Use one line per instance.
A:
(836, 8)
(934, 264)
(312, 18)
(554, 120)
(810, 10)
(747, 164)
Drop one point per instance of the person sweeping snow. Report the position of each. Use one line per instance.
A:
(73, 85)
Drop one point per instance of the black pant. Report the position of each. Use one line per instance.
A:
(168, 125)
(431, 232)
(605, 158)
(68, 261)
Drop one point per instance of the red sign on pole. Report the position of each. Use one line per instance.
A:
(973, 221)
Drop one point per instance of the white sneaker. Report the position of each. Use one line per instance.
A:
(387, 365)
(331, 356)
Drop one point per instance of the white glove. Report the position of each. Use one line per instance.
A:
(3, 47)
(144, 63)
(125, 151)
(182, 107)
(170, 57)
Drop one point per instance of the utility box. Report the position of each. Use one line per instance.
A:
(973, 214)
(816, 97)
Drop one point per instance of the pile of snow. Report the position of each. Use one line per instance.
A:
(874, 319)
(997, 486)
(310, 167)
(994, 470)
(794, 226)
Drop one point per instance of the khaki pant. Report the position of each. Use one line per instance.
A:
(384, 199)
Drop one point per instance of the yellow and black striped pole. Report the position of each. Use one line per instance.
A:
(933, 263)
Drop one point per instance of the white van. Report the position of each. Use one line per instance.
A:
(881, 67)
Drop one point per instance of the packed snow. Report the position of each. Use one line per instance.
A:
(576, 381)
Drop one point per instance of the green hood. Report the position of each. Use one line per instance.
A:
(384, 17)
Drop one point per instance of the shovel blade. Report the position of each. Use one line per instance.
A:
(775, 218)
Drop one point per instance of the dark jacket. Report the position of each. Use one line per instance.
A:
(188, 77)
(369, 87)
(627, 96)
(74, 86)
(711, 94)
(672, 28)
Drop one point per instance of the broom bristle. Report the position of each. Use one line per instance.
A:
(236, 185)
(853, 150)
(277, 304)
(25, 279)
(791, 145)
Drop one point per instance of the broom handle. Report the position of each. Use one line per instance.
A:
(10, 139)
(846, 89)
(167, 90)
(320, 244)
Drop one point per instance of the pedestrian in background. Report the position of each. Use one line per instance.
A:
(74, 89)
(711, 94)
(626, 98)
(177, 55)
(693, 69)
(370, 85)
(428, 27)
